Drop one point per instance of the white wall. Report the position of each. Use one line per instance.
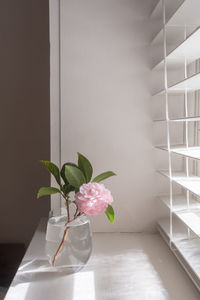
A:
(106, 105)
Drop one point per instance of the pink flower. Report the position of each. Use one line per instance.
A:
(93, 198)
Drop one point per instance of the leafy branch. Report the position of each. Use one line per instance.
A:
(70, 178)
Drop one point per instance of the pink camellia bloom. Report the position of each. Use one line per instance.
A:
(93, 198)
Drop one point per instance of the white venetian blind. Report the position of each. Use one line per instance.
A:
(176, 72)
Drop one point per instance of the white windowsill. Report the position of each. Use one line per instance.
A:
(122, 266)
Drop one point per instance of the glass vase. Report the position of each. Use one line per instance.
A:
(77, 247)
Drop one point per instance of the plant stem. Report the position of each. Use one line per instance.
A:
(76, 212)
(61, 244)
(64, 238)
(66, 197)
(68, 214)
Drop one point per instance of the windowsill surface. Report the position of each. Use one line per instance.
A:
(122, 266)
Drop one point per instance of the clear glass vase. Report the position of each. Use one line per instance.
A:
(78, 245)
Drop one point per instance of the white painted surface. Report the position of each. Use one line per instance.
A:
(170, 6)
(105, 101)
(191, 152)
(188, 119)
(186, 14)
(54, 31)
(180, 202)
(186, 249)
(191, 219)
(187, 49)
(123, 266)
(191, 84)
(191, 182)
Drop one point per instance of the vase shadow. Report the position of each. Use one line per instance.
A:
(38, 269)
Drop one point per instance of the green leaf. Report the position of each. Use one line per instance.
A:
(67, 188)
(110, 213)
(103, 176)
(62, 172)
(74, 176)
(85, 166)
(43, 191)
(53, 169)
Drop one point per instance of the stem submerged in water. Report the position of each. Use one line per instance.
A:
(61, 244)
(76, 215)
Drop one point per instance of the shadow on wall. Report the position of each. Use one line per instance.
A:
(24, 116)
